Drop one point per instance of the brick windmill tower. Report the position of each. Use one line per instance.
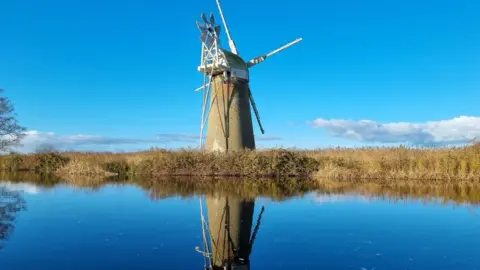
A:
(227, 96)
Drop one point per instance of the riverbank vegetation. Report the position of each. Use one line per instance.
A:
(378, 165)
(382, 165)
(271, 163)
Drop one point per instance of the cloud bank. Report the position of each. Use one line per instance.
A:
(22, 187)
(339, 198)
(453, 131)
(36, 140)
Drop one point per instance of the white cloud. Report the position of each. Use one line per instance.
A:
(453, 131)
(195, 138)
(267, 138)
(24, 187)
(338, 198)
(35, 140)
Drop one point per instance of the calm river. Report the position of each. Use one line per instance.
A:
(125, 226)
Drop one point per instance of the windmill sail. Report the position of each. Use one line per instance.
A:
(254, 106)
(202, 27)
(212, 19)
(231, 43)
(204, 18)
(262, 58)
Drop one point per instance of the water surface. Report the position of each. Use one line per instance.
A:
(126, 226)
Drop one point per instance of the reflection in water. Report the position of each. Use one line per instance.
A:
(230, 221)
(228, 236)
(243, 188)
(11, 202)
(116, 220)
(166, 187)
(403, 191)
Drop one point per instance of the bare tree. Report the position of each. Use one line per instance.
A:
(10, 131)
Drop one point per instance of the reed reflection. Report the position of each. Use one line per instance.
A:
(276, 189)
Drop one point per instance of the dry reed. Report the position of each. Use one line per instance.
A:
(382, 165)
(379, 165)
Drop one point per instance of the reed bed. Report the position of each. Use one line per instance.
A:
(377, 165)
(162, 162)
(384, 165)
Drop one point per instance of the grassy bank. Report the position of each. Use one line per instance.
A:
(379, 165)
(161, 162)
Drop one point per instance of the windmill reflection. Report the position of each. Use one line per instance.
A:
(228, 236)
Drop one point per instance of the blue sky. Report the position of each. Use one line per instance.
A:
(124, 71)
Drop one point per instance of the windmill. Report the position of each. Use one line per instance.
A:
(226, 91)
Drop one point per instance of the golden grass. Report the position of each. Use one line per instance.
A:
(378, 165)
(383, 165)
(161, 162)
